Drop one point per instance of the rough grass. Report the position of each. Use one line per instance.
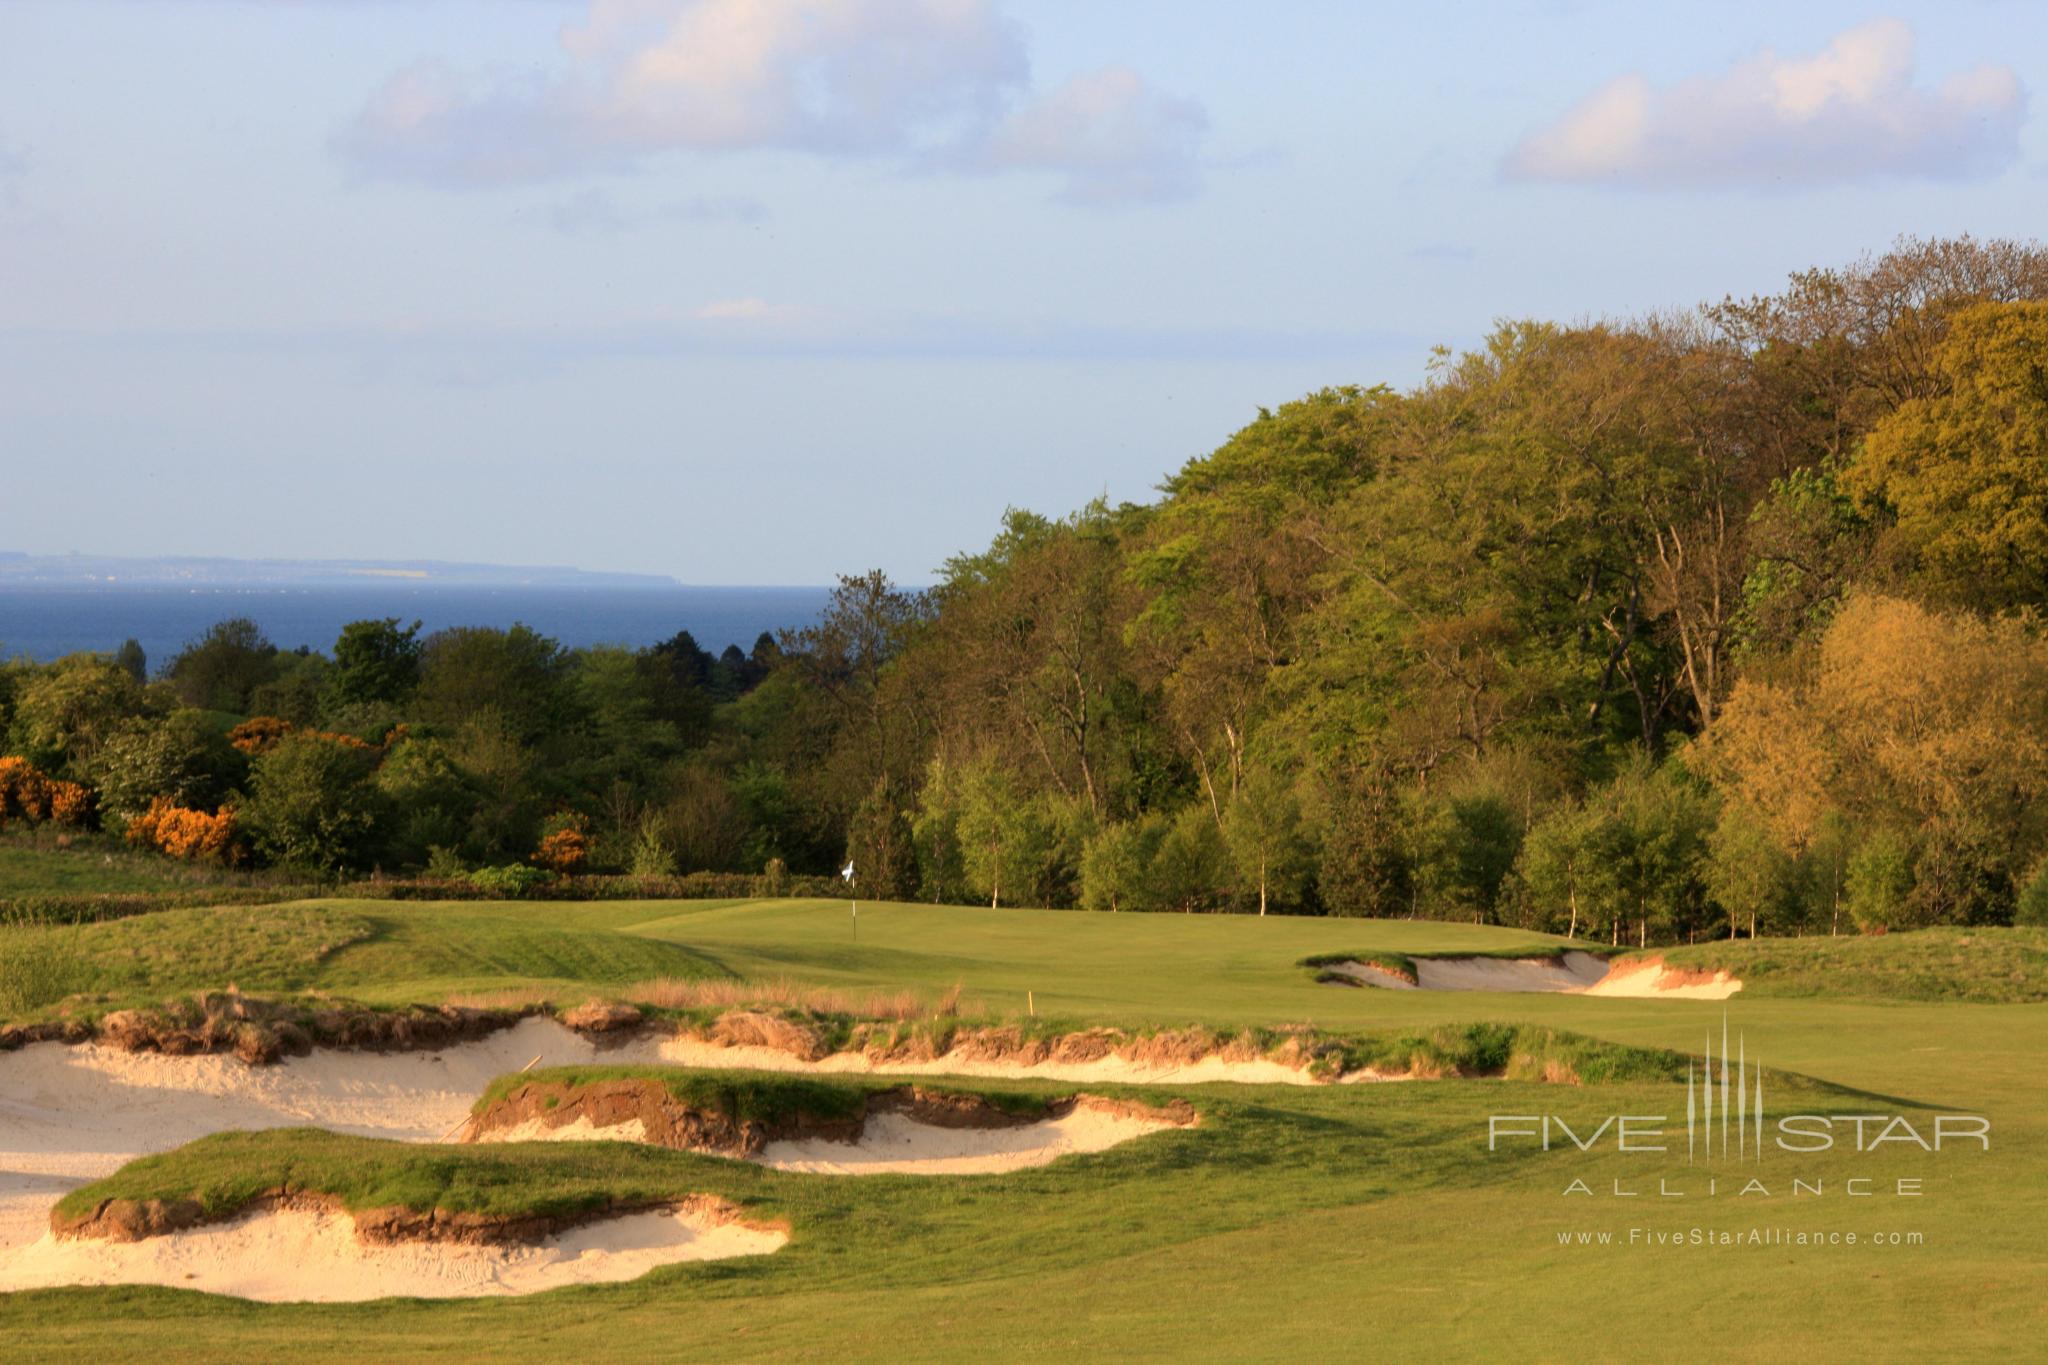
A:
(1989, 965)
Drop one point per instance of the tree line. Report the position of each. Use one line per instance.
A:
(1714, 622)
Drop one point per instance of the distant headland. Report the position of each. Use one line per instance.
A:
(18, 569)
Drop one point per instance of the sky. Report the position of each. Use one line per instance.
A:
(761, 291)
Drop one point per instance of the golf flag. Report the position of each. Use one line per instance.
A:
(847, 872)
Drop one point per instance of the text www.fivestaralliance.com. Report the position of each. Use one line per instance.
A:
(1760, 1238)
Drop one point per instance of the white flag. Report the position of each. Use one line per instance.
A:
(847, 872)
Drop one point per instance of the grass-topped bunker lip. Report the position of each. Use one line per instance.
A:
(841, 1125)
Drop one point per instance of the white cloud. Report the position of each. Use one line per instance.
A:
(1114, 138)
(923, 82)
(1849, 112)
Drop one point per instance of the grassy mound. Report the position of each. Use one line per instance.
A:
(769, 1098)
(1986, 966)
(377, 952)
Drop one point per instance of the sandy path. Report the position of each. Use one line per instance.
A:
(288, 1255)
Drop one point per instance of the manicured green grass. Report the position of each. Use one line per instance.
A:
(1360, 1221)
(378, 952)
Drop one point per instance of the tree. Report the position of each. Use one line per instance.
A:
(1262, 828)
(64, 713)
(131, 659)
(1116, 865)
(1880, 883)
(375, 662)
(182, 757)
(222, 668)
(994, 829)
(1569, 859)
(1965, 469)
(1747, 873)
(518, 675)
(312, 804)
(1363, 867)
(1191, 868)
(880, 846)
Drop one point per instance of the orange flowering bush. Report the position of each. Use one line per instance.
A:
(565, 846)
(192, 835)
(260, 734)
(28, 794)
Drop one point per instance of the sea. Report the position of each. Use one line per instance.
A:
(46, 622)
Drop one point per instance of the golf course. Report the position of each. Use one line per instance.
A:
(1140, 1135)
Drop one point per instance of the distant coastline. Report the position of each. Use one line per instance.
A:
(88, 570)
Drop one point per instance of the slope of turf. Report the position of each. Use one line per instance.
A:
(1990, 965)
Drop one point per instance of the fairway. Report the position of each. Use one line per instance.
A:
(1288, 1220)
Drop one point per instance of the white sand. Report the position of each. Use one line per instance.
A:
(897, 1143)
(900, 1144)
(1652, 979)
(1575, 973)
(284, 1255)
(73, 1114)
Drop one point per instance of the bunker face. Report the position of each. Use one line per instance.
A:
(1574, 973)
(294, 1255)
(73, 1114)
(897, 1143)
(888, 1141)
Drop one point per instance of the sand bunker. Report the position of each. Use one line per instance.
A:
(907, 1131)
(70, 1114)
(899, 1143)
(315, 1255)
(1574, 973)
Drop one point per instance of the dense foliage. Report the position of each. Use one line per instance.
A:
(1718, 623)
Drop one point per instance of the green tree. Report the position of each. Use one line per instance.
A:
(880, 846)
(1569, 860)
(313, 805)
(1880, 883)
(65, 712)
(375, 662)
(1262, 828)
(1191, 868)
(1747, 873)
(1965, 470)
(1116, 864)
(518, 675)
(131, 659)
(183, 756)
(222, 669)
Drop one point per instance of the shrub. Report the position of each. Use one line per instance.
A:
(564, 844)
(191, 835)
(511, 880)
(2033, 901)
(26, 793)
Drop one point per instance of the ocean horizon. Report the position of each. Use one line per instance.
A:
(45, 622)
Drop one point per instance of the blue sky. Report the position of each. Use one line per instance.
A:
(752, 291)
